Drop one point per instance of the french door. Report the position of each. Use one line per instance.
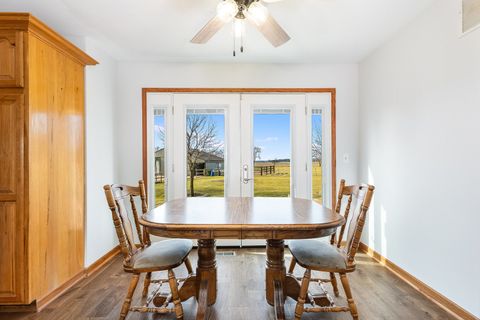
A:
(238, 145)
(273, 145)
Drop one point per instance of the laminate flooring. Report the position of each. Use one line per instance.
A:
(379, 294)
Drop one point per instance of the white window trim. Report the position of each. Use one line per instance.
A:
(321, 101)
(158, 101)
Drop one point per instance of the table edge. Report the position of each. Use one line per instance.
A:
(241, 227)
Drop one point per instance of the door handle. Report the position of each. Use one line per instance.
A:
(245, 179)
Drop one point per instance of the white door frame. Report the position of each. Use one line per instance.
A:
(164, 98)
(230, 104)
(164, 102)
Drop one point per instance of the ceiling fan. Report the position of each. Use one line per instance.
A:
(238, 11)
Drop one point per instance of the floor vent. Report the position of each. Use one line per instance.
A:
(225, 253)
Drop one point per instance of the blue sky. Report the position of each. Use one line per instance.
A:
(316, 122)
(271, 133)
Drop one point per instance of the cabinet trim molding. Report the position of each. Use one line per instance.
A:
(27, 22)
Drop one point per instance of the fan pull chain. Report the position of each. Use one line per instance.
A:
(241, 42)
(234, 41)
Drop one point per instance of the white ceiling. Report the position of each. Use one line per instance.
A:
(322, 31)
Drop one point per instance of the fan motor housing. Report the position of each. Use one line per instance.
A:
(242, 6)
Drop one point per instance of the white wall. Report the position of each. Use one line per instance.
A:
(133, 76)
(420, 146)
(100, 160)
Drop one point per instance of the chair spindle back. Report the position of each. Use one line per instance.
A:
(343, 191)
(119, 197)
(363, 196)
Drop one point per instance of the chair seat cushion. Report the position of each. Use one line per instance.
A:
(318, 255)
(163, 255)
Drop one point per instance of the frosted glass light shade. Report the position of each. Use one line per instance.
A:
(258, 12)
(227, 10)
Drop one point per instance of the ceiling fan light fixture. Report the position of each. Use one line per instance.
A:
(227, 10)
(257, 12)
(239, 11)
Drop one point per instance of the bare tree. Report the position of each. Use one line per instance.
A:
(257, 151)
(317, 143)
(161, 134)
(201, 138)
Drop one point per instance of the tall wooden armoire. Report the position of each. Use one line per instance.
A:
(42, 165)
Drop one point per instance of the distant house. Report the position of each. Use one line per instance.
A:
(205, 164)
(209, 161)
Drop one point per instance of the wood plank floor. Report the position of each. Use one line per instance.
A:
(379, 294)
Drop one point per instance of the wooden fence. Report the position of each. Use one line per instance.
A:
(159, 178)
(265, 170)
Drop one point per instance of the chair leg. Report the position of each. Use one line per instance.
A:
(348, 292)
(293, 262)
(189, 266)
(128, 299)
(333, 280)
(172, 281)
(302, 296)
(146, 284)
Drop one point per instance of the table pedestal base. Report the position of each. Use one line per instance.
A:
(203, 284)
(279, 284)
(206, 278)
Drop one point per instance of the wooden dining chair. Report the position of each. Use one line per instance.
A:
(332, 258)
(344, 192)
(145, 256)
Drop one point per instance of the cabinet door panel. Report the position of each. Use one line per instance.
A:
(12, 243)
(11, 111)
(11, 251)
(11, 58)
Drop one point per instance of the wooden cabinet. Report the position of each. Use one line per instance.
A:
(41, 161)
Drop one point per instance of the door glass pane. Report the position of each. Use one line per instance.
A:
(205, 139)
(317, 138)
(159, 147)
(272, 154)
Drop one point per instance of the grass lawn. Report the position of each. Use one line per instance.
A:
(278, 184)
(203, 186)
(274, 185)
(159, 193)
(317, 182)
(207, 186)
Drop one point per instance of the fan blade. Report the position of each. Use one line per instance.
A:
(208, 31)
(273, 31)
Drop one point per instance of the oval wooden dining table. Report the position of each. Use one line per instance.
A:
(272, 219)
